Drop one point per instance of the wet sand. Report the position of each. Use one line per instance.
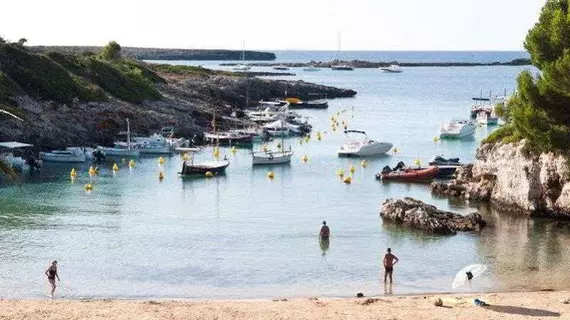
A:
(519, 305)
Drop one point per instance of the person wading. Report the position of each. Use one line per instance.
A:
(325, 231)
(51, 273)
(389, 261)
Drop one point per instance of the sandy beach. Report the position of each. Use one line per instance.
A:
(536, 305)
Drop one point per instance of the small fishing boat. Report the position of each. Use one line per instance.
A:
(280, 67)
(272, 157)
(447, 167)
(281, 128)
(295, 103)
(230, 138)
(408, 174)
(311, 69)
(242, 66)
(363, 147)
(70, 155)
(487, 118)
(216, 167)
(122, 149)
(341, 67)
(392, 69)
(456, 129)
(18, 156)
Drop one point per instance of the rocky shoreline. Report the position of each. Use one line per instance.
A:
(507, 175)
(415, 214)
(380, 64)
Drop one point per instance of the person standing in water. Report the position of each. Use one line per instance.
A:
(325, 231)
(389, 261)
(51, 273)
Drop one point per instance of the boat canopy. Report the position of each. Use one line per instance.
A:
(14, 145)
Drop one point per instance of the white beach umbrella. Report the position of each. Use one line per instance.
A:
(467, 274)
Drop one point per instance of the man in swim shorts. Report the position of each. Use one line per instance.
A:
(389, 261)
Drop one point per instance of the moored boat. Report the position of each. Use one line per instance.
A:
(280, 67)
(456, 129)
(311, 68)
(447, 167)
(229, 138)
(408, 174)
(215, 167)
(122, 149)
(363, 147)
(392, 69)
(75, 155)
(271, 157)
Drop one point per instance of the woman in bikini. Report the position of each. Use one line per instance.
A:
(51, 274)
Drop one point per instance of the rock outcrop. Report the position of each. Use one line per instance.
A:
(418, 215)
(508, 176)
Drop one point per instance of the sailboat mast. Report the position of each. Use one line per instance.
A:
(128, 134)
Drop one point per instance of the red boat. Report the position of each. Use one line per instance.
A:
(409, 174)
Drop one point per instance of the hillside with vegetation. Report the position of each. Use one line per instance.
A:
(539, 112)
(69, 99)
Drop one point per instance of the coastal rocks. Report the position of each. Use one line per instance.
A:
(418, 215)
(508, 176)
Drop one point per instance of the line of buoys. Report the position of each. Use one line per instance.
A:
(271, 175)
(88, 187)
(305, 158)
(131, 163)
(73, 173)
(161, 160)
(364, 163)
(115, 167)
(347, 180)
(209, 174)
(160, 175)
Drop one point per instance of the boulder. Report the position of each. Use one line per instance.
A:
(415, 214)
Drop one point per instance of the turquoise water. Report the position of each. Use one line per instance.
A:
(243, 235)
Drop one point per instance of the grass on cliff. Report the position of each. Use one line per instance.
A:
(65, 78)
(187, 70)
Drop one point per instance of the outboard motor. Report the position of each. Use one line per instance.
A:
(99, 156)
(399, 166)
(386, 169)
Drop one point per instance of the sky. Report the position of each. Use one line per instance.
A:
(274, 25)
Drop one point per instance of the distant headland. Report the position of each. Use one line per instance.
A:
(162, 53)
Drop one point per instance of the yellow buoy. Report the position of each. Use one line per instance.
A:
(395, 150)
(216, 152)
(115, 168)
(160, 175)
(305, 158)
(352, 169)
(417, 162)
(435, 139)
(185, 156)
(340, 173)
(347, 180)
(364, 163)
(73, 173)
(345, 127)
(270, 175)
(131, 163)
(92, 171)
(89, 187)
(334, 129)
(233, 149)
(209, 174)
(300, 141)
(307, 138)
(161, 160)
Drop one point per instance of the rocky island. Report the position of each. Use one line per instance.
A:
(68, 99)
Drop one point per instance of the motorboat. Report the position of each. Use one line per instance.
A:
(402, 173)
(295, 103)
(230, 138)
(363, 147)
(18, 156)
(280, 67)
(282, 128)
(447, 167)
(72, 155)
(271, 157)
(311, 69)
(216, 167)
(487, 118)
(341, 67)
(256, 134)
(456, 129)
(392, 69)
(241, 67)
(122, 149)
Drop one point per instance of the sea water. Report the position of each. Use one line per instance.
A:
(244, 235)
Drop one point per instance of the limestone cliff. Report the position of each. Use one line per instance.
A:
(507, 175)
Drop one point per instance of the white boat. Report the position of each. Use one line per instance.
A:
(457, 129)
(311, 69)
(392, 69)
(281, 128)
(363, 147)
(242, 66)
(12, 154)
(487, 118)
(340, 66)
(156, 144)
(70, 155)
(271, 157)
(280, 67)
(122, 149)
